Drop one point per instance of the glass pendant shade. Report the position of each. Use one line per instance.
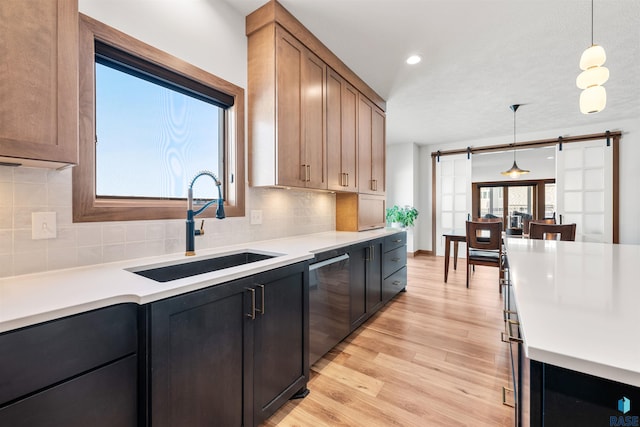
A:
(595, 76)
(593, 100)
(592, 57)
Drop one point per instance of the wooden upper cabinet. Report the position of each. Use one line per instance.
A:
(39, 84)
(371, 148)
(286, 112)
(342, 125)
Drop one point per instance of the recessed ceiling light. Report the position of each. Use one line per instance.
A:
(413, 59)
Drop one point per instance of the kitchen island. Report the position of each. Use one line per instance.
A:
(577, 308)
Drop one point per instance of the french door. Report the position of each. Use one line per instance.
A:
(584, 180)
(453, 197)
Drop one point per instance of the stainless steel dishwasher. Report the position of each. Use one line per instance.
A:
(328, 302)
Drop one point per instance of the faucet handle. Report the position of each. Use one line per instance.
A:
(201, 231)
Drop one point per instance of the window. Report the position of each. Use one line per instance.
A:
(514, 201)
(152, 122)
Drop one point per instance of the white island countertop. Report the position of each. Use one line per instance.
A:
(34, 298)
(579, 305)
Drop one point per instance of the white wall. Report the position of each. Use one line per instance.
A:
(403, 186)
(629, 172)
(208, 34)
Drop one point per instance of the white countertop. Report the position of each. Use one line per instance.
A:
(35, 298)
(579, 305)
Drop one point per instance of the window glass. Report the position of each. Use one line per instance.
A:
(550, 200)
(152, 139)
(491, 202)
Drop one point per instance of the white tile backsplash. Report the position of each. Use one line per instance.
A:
(26, 190)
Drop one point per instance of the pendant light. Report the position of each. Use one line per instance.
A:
(515, 171)
(593, 98)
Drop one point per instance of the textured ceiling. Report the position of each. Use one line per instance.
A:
(479, 57)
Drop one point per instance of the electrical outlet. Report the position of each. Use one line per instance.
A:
(43, 225)
(256, 217)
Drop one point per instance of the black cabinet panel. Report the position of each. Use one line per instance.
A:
(198, 369)
(394, 260)
(564, 397)
(105, 397)
(395, 241)
(394, 283)
(38, 356)
(280, 338)
(365, 290)
(230, 354)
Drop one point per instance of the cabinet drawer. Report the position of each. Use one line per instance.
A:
(395, 241)
(38, 356)
(106, 397)
(394, 260)
(394, 283)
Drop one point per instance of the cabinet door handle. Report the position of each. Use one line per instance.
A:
(367, 256)
(261, 311)
(373, 253)
(347, 176)
(308, 173)
(252, 315)
(303, 173)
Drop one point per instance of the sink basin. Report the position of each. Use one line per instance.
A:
(168, 273)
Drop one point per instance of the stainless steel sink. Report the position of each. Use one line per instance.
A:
(167, 273)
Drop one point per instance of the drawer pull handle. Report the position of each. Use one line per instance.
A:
(504, 397)
(261, 311)
(396, 282)
(252, 315)
(395, 259)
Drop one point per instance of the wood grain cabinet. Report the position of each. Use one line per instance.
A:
(342, 126)
(371, 147)
(39, 84)
(231, 354)
(76, 371)
(287, 122)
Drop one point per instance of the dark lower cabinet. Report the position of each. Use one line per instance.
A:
(231, 354)
(80, 370)
(366, 281)
(563, 397)
(106, 397)
(281, 348)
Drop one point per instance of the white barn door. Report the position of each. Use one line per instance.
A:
(584, 184)
(453, 197)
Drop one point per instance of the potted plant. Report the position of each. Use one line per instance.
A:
(404, 217)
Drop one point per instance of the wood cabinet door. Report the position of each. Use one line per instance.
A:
(281, 356)
(378, 150)
(290, 162)
(365, 159)
(313, 89)
(342, 116)
(334, 131)
(39, 85)
(199, 372)
(349, 149)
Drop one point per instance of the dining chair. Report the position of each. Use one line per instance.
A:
(565, 232)
(526, 222)
(484, 246)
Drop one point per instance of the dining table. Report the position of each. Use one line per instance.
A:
(456, 236)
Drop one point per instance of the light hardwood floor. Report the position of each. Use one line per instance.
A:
(430, 357)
